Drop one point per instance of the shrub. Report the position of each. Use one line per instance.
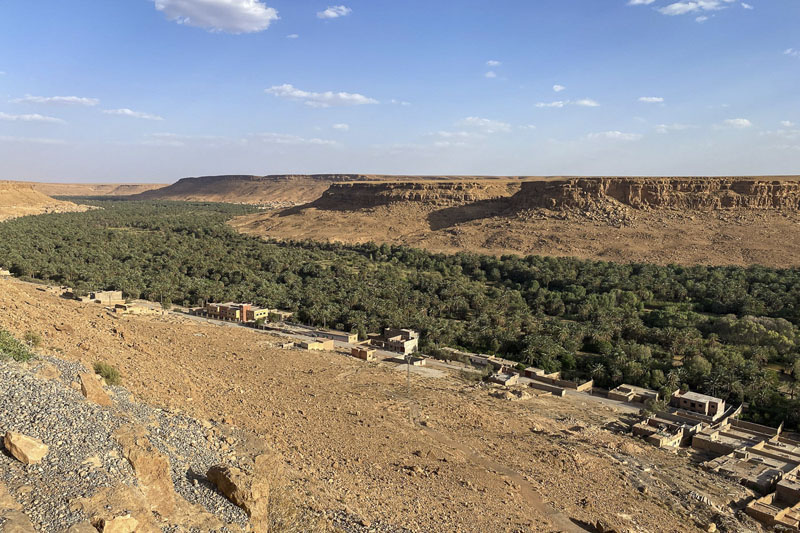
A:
(11, 347)
(108, 372)
(32, 339)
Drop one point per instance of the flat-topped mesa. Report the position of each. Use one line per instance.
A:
(661, 193)
(353, 196)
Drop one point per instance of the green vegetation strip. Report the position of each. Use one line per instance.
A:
(11, 348)
(718, 330)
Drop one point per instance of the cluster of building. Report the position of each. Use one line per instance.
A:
(402, 341)
(759, 457)
(98, 297)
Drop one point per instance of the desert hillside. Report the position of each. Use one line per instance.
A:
(455, 455)
(94, 189)
(21, 199)
(739, 221)
(278, 188)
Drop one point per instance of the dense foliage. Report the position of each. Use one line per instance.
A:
(11, 348)
(727, 331)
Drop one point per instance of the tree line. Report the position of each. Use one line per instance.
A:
(727, 331)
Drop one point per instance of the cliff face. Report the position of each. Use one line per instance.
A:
(662, 193)
(20, 199)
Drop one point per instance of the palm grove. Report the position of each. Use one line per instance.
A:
(727, 331)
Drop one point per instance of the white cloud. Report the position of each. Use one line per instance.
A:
(615, 136)
(231, 16)
(341, 127)
(2, 72)
(286, 138)
(485, 124)
(738, 123)
(125, 112)
(528, 127)
(587, 102)
(558, 88)
(682, 8)
(69, 100)
(30, 140)
(457, 135)
(493, 63)
(747, 6)
(701, 19)
(292, 36)
(787, 123)
(334, 12)
(558, 104)
(399, 102)
(177, 140)
(491, 74)
(667, 128)
(35, 117)
(651, 99)
(640, 2)
(791, 52)
(326, 99)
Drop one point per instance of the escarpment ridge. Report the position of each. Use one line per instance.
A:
(719, 220)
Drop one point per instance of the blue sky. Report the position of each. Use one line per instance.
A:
(155, 90)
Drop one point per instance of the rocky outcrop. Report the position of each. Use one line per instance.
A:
(26, 449)
(20, 199)
(151, 468)
(119, 524)
(248, 490)
(93, 390)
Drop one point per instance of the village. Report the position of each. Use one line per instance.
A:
(764, 459)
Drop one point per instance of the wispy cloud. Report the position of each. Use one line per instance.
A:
(585, 102)
(334, 12)
(66, 100)
(341, 127)
(324, 99)
(787, 123)
(792, 52)
(615, 136)
(651, 99)
(30, 140)
(668, 128)
(640, 2)
(34, 117)
(747, 6)
(493, 63)
(558, 88)
(125, 112)
(491, 74)
(292, 36)
(737, 123)
(287, 138)
(682, 8)
(485, 124)
(230, 16)
(399, 102)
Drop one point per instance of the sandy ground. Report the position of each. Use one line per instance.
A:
(447, 456)
(742, 237)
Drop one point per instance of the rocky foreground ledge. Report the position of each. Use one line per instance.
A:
(79, 456)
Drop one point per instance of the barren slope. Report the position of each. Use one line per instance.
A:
(94, 189)
(20, 199)
(739, 221)
(475, 463)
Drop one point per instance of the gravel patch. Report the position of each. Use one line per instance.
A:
(83, 456)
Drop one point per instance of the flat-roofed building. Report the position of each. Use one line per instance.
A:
(403, 341)
(362, 352)
(318, 345)
(699, 403)
(632, 394)
(341, 336)
(504, 379)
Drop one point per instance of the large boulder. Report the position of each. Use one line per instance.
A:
(248, 490)
(27, 449)
(93, 390)
(151, 467)
(82, 527)
(119, 524)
